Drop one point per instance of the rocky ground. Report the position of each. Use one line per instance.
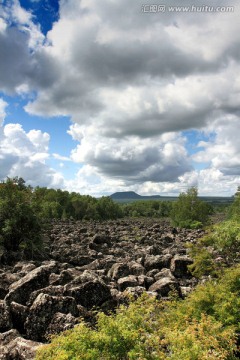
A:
(88, 265)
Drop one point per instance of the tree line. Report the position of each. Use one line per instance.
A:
(24, 210)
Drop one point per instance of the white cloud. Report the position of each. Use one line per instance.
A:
(3, 105)
(131, 82)
(25, 154)
(60, 157)
(222, 152)
(131, 158)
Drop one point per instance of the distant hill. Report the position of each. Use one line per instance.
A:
(131, 195)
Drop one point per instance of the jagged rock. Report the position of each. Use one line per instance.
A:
(5, 317)
(179, 265)
(53, 278)
(42, 312)
(136, 269)
(154, 250)
(163, 274)
(157, 262)
(185, 290)
(135, 291)
(61, 322)
(99, 242)
(19, 315)
(19, 349)
(52, 290)
(163, 286)
(8, 336)
(63, 278)
(143, 251)
(128, 281)
(80, 260)
(101, 239)
(152, 273)
(145, 281)
(89, 294)
(23, 267)
(36, 279)
(119, 270)
(6, 279)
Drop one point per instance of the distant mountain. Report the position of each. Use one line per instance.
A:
(131, 195)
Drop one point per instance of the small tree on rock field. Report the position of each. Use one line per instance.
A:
(189, 211)
(19, 225)
(234, 211)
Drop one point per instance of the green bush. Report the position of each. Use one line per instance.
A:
(204, 326)
(220, 248)
(234, 211)
(147, 208)
(189, 211)
(20, 227)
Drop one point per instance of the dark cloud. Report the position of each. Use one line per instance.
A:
(15, 60)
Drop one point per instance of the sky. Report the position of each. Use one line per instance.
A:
(118, 95)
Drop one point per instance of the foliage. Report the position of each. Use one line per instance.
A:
(20, 226)
(59, 204)
(108, 209)
(147, 208)
(189, 211)
(203, 326)
(234, 211)
(219, 248)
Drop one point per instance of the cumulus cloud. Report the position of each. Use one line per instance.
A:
(131, 82)
(25, 154)
(24, 59)
(3, 106)
(156, 160)
(222, 151)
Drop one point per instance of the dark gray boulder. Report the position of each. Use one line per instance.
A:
(35, 279)
(8, 336)
(5, 317)
(61, 322)
(145, 281)
(19, 315)
(91, 293)
(127, 281)
(179, 265)
(42, 312)
(164, 286)
(19, 349)
(119, 270)
(157, 262)
(163, 274)
(6, 279)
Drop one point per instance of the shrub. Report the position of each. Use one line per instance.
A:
(218, 249)
(234, 211)
(20, 227)
(189, 211)
(203, 326)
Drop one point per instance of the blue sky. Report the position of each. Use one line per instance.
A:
(98, 98)
(44, 12)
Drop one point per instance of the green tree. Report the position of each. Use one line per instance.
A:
(20, 228)
(234, 211)
(189, 211)
(108, 209)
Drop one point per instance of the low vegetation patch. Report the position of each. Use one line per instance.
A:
(218, 249)
(204, 326)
